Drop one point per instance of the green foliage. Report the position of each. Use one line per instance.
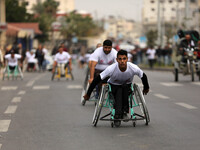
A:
(16, 12)
(151, 37)
(46, 12)
(81, 26)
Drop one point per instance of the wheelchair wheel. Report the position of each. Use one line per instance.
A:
(53, 75)
(83, 93)
(142, 104)
(99, 106)
(82, 99)
(176, 74)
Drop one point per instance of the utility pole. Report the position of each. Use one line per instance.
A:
(163, 26)
(2, 24)
(159, 24)
(187, 5)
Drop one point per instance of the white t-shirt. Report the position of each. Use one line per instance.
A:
(30, 58)
(62, 58)
(117, 77)
(12, 61)
(87, 57)
(103, 60)
(151, 53)
(45, 51)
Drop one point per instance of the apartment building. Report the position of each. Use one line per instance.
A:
(170, 11)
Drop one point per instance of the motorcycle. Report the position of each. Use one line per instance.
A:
(187, 67)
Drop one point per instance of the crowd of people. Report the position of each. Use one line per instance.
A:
(29, 60)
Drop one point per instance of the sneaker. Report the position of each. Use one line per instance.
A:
(125, 117)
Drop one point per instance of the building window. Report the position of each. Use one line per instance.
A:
(170, 1)
(179, 0)
(152, 1)
(152, 9)
(173, 9)
(193, 1)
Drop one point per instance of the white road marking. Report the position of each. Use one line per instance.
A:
(16, 100)
(22, 92)
(161, 96)
(44, 87)
(196, 83)
(0, 146)
(30, 83)
(4, 125)
(74, 86)
(186, 106)
(11, 110)
(7, 88)
(171, 84)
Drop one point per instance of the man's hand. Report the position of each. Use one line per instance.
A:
(145, 91)
(86, 97)
(90, 80)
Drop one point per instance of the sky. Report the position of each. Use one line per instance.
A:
(130, 9)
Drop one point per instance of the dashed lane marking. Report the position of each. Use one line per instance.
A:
(30, 83)
(161, 96)
(4, 125)
(0, 146)
(7, 88)
(170, 84)
(44, 87)
(74, 86)
(186, 106)
(10, 110)
(22, 92)
(16, 100)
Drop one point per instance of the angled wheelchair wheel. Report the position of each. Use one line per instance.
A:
(99, 106)
(142, 104)
(82, 99)
(83, 93)
(53, 75)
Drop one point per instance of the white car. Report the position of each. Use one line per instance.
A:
(49, 61)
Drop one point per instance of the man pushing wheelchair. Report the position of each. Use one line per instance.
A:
(120, 76)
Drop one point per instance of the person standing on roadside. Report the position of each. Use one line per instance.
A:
(151, 56)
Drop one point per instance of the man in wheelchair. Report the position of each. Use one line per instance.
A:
(120, 76)
(62, 59)
(12, 59)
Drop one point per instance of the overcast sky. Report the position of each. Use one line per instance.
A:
(130, 9)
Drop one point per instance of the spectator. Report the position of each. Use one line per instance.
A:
(151, 56)
(159, 55)
(40, 56)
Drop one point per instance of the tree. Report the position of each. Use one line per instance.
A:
(16, 12)
(151, 37)
(45, 14)
(81, 26)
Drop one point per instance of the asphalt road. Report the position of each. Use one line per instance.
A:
(40, 114)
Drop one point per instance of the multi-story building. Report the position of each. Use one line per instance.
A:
(122, 29)
(171, 12)
(64, 7)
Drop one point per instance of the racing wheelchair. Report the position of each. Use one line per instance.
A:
(62, 70)
(15, 73)
(94, 95)
(137, 105)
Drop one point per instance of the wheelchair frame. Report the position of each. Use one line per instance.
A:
(15, 73)
(85, 88)
(106, 100)
(57, 74)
